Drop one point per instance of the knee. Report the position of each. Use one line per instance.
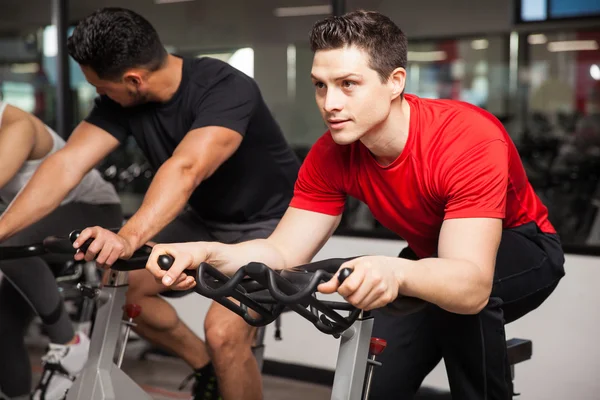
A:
(224, 338)
(141, 284)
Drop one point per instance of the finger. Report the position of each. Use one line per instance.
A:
(333, 284)
(182, 262)
(79, 255)
(158, 279)
(85, 234)
(365, 289)
(187, 284)
(152, 263)
(93, 249)
(105, 252)
(330, 286)
(180, 279)
(377, 297)
(352, 282)
(114, 256)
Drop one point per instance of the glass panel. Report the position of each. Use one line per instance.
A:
(474, 70)
(561, 143)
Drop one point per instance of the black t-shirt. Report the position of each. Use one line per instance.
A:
(256, 183)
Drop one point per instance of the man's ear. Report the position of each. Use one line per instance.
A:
(398, 82)
(132, 78)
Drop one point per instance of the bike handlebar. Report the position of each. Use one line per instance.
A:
(64, 245)
(267, 292)
(30, 250)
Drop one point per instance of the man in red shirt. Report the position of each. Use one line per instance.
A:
(446, 177)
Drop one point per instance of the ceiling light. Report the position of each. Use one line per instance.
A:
(302, 11)
(537, 38)
(595, 72)
(426, 56)
(479, 44)
(25, 68)
(573, 45)
(170, 1)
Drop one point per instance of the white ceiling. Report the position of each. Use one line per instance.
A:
(213, 23)
(218, 24)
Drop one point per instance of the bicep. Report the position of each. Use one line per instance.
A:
(87, 146)
(476, 182)
(203, 150)
(472, 239)
(301, 234)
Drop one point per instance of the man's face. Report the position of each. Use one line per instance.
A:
(350, 95)
(127, 92)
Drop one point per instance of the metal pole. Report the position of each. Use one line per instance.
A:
(339, 7)
(64, 106)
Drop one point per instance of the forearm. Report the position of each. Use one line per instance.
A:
(455, 285)
(51, 183)
(228, 258)
(167, 195)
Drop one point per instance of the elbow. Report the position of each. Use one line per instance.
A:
(62, 164)
(479, 298)
(188, 174)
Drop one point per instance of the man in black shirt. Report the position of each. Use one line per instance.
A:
(224, 172)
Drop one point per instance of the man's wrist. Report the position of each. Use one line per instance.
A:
(400, 272)
(132, 239)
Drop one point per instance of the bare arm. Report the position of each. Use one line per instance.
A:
(17, 140)
(460, 279)
(56, 177)
(195, 159)
(298, 237)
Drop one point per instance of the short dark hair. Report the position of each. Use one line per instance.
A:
(370, 31)
(112, 40)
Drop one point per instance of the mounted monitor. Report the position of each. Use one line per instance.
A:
(555, 10)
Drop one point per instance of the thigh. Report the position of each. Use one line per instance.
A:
(228, 323)
(410, 355)
(15, 317)
(527, 271)
(15, 312)
(187, 227)
(36, 284)
(474, 351)
(238, 233)
(67, 218)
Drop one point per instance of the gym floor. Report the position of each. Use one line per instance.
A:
(162, 376)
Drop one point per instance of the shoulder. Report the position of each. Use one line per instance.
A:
(15, 117)
(105, 103)
(457, 124)
(207, 72)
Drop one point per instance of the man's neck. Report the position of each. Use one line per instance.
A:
(387, 141)
(165, 82)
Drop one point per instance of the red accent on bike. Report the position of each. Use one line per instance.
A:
(132, 310)
(377, 346)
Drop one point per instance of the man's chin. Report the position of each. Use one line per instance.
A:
(344, 138)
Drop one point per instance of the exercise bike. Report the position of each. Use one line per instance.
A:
(263, 294)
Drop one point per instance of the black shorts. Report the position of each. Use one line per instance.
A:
(189, 227)
(528, 268)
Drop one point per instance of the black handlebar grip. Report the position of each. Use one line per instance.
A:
(344, 273)
(165, 261)
(73, 237)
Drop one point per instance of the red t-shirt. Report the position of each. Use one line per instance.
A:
(458, 162)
